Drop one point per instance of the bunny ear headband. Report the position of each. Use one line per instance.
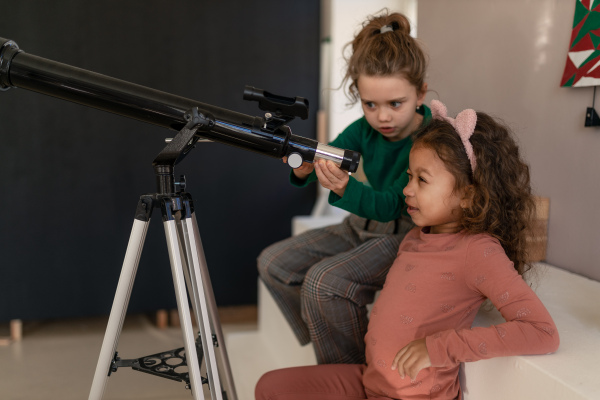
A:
(464, 124)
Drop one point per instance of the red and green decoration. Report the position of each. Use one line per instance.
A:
(583, 60)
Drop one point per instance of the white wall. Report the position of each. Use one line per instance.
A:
(345, 20)
(507, 58)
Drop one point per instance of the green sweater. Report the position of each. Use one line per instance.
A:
(384, 163)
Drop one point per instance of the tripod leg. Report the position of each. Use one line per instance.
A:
(201, 311)
(206, 308)
(175, 256)
(119, 307)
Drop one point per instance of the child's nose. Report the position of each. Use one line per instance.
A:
(384, 115)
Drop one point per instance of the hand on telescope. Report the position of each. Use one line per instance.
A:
(332, 177)
(303, 171)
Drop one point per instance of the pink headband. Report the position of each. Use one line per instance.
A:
(464, 124)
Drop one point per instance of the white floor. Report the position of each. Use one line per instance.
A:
(57, 360)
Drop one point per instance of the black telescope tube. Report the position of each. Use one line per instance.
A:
(22, 70)
(99, 91)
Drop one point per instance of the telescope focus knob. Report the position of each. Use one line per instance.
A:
(180, 186)
(295, 160)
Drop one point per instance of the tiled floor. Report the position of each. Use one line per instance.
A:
(57, 359)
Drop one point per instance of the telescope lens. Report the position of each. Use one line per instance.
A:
(8, 49)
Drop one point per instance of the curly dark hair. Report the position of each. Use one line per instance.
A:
(384, 54)
(502, 203)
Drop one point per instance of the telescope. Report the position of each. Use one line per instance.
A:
(193, 121)
(266, 135)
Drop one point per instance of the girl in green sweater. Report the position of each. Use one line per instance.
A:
(323, 279)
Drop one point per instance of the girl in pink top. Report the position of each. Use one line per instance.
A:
(470, 196)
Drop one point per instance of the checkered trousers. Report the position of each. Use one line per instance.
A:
(323, 280)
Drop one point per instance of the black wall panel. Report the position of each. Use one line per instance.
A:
(71, 176)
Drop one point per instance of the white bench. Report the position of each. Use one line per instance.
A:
(569, 374)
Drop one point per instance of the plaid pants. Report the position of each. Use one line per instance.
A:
(323, 280)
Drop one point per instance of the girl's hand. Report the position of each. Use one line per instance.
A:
(332, 177)
(411, 359)
(303, 171)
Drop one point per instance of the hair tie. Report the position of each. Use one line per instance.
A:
(387, 28)
(464, 124)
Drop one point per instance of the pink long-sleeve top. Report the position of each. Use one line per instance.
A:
(434, 290)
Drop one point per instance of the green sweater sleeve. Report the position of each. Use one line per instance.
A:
(295, 181)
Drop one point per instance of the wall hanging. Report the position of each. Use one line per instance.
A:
(583, 59)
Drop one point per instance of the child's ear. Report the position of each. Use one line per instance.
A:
(421, 94)
(467, 198)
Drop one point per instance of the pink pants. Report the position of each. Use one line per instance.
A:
(316, 382)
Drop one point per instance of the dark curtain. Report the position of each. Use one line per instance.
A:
(72, 175)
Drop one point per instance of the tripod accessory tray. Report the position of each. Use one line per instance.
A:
(170, 364)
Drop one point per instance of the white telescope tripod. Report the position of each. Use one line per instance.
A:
(191, 281)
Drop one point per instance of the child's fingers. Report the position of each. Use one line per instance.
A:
(324, 174)
(413, 370)
(336, 174)
(329, 177)
(400, 361)
(306, 167)
(336, 171)
(320, 173)
(397, 358)
(408, 365)
(411, 359)
(328, 170)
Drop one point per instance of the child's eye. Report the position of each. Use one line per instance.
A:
(396, 104)
(369, 104)
(422, 180)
